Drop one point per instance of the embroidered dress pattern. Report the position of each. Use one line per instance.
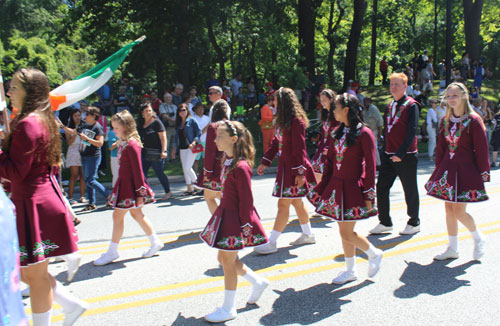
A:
(40, 249)
(472, 196)
(210, 231)
(227, 163)
(356, 213)
(441, 188)
(340, 148)
(329, 207)
(452, 135)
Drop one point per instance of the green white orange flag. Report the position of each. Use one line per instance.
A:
(89, 82)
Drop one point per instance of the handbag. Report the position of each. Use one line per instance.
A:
(198, 148)
(152, 154)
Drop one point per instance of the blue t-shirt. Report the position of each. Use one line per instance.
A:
(11, 305)
(111, 140)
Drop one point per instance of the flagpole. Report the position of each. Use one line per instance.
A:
(3, 105)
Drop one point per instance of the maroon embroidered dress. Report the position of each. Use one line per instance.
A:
(462, 161)
(348, 180)
(235, 224)
(318, 161)
(212, 164)
(290, 146)
(131, 182)
(44, 224)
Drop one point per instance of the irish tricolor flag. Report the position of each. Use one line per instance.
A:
(89, 82)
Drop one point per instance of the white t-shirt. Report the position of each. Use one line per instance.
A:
(431, 117)
(203, 121)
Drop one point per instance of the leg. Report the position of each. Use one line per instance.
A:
(387, 175)
(210, 197)
(118, 225)
(301, 210)
(228, 261)
(319, 176)
(407, 172)
(147, 227)
(185, 168)
(145, 166)
(82, 182)
(74, 174)
(282, 215)
(158, 167)
(96, 185)
(494, 158)
(39, 281)
(87, 165)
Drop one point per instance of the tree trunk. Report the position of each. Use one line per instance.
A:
(217, 49)
(331, 38)
(353, 42)
(183, 60)
(435, 35)
(371, 79)
(306, 12)
(472, 21)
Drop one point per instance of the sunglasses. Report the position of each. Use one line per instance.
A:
(212, 93)
(183, 110)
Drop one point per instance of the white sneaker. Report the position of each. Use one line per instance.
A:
(268, 248)
(409, 230)
(478, 249)
(257, 291)
(71, 317)
(345, 277)
(380, 228)
(448, 254)
(374, 265)
(304, 239)
(73, 261)
(106, 258)
(221, 315)
(157, 246)
(26, 292)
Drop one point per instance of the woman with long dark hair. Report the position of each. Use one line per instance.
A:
(73, 158)
(30, 160)
(346, 193)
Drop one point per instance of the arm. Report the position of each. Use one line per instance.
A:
(298, 147)
(70, 138)
(368, 148)
(97, 142)
(412, 131)
(441, 144)
(269, 155)
(16, 164)
(163, 140)
(480, 147)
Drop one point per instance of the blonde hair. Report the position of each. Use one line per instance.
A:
(243, 148)
(126, 120)
(399, 75)
(466, 107)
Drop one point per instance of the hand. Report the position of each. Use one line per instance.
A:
(140, 201)
(395, 159)
(59, 122)
(368, 204)
(325, 151)
(172, 154)
(84, 137)
(191, 145)
(260, 169)
(300, 180)
(163, 155)
(207, 179)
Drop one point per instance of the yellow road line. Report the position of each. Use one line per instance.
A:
(309, 271)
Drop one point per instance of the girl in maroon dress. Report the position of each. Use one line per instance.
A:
(328, 122)
(462, 167)
(347, 191)
(295, 174)
(131, 190)
(235, 224)
(210, 178)
(30, 159)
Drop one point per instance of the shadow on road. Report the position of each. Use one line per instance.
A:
(182, 321)
(434, 279)
(310, 305)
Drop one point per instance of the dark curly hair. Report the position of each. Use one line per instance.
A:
(289, 107)
(354, 116)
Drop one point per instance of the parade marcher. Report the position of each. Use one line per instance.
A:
(30, 160)
(295, 174)
(399, 157)
(327, 100)
(235, 225)
(131, 191)
(462, 168)
(209, 178)
(347, 192)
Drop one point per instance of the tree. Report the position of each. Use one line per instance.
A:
(331, 36)
(306, 12)
(472, 22)
(371, 80)
(353, 42)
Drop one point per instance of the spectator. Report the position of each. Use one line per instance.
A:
(113, 142)
(215, 94)
(177, 95)
(239, 103)
(212, 81)
(455, 75)
(236, 84)
(129, 91)
(440, 111)
(465, 66)
(487, 118)
(353, 89)
(374, 120)
(203, 121)
(187, 135)
(383, 67)
(155, 103)
(73, 158)
(103, 121)
(269, 89)
(495, 141)
(428, 78)
(193, 99)
(84, 108)
(105, 96)
(418, 95)
(122, 100)
(167, 115)
(251, 93)
(478, 75)
(266, 123)
(474, 93)
(432, 128)
(154, 141)
(227, 95)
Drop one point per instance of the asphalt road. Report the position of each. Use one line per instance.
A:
(184, 282)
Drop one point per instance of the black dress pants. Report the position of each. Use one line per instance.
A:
(406, 170)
